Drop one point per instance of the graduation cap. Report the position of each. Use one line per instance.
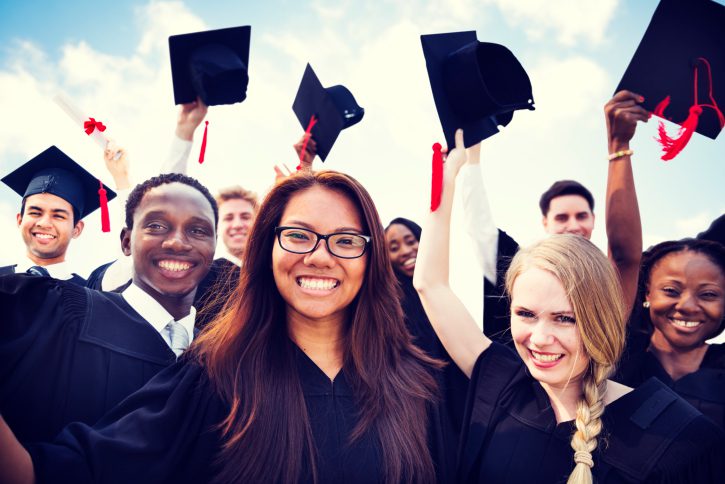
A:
(679, 69)
(476, 85)
(54, 172)
(324, 111)
(212, 65)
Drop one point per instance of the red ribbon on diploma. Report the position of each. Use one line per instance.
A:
(91, 125)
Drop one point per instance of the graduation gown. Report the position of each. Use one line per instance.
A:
(452, 381)
(167, 432)
(511, 434)
(68, 354)
(496, 312)
(704, 389)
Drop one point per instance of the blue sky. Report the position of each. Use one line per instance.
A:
(112, 59)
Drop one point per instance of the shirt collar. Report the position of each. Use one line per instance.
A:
(59, 270)
(223, 252)
(153, 312)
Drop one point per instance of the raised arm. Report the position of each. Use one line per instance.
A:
(451, 320)
(16, 466)
(190, 117)
(477, 213)
(624, 227)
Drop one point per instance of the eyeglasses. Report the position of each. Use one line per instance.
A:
(344, 245)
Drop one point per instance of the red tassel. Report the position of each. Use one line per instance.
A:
(660, 108)
(203, 144)
(308, 134)
(437, 178)
(673, 146)
(105, 217)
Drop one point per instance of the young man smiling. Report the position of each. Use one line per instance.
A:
(72, 352)
(57, 194)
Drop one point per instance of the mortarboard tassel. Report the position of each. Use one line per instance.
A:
(436, 188)
(673, 146)
(203, 144)
(105, 217)
(308, 135)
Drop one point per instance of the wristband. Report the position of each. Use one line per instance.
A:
(619, 154)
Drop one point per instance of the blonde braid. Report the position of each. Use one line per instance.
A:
(588, 424)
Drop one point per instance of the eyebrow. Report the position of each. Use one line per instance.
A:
(55, 210)
(308, 226)
(163, 213)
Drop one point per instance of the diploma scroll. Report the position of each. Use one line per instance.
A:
(80, 119)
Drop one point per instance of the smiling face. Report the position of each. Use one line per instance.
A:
(544, 330)
(569, 214)
(318, 286)
(172, 241)
(402, 248)
(686, 292)
(47, 228)
(235, 220)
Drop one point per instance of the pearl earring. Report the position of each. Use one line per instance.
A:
(645, 304)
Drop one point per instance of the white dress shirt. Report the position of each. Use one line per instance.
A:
(155, 314)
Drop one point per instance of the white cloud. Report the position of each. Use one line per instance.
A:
(567, 20)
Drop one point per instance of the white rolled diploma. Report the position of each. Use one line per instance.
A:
(79, 118)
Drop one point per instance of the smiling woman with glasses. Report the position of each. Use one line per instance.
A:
(309, 376)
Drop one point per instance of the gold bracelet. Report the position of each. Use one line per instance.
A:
(619, 154)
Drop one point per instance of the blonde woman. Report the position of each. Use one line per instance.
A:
(550, 414)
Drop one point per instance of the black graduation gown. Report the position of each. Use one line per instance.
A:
(704, 389)
(167, 432)
(452, 381)
(511, 433)
(496, 312)
(214, 290)
(68, 354)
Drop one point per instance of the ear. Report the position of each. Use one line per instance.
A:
(544, 222)
(19, 218)
(78, 229)
(126, 241)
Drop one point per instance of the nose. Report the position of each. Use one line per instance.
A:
(687, 303)
(237, 222)
(176, 241)
(320, 257)
(43, 221)
(541, 335)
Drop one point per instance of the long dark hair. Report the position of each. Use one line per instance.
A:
(250, 361)
(712, 250)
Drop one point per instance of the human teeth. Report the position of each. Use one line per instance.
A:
(410, 262)
(685, 324)
(317, 284)
(174, 266)
(45, 236)
(545, 358)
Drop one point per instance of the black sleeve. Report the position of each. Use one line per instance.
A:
(165, 432)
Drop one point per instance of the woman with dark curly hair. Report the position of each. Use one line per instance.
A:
(308, 376)
(682, 294)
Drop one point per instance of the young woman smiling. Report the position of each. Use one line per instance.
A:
(683, 305)
(539, 416)
(309, 376)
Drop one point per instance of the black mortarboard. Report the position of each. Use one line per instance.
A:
(54, 172)
(334, 109)
(476, 85)
(680, 34)
(212, 65)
